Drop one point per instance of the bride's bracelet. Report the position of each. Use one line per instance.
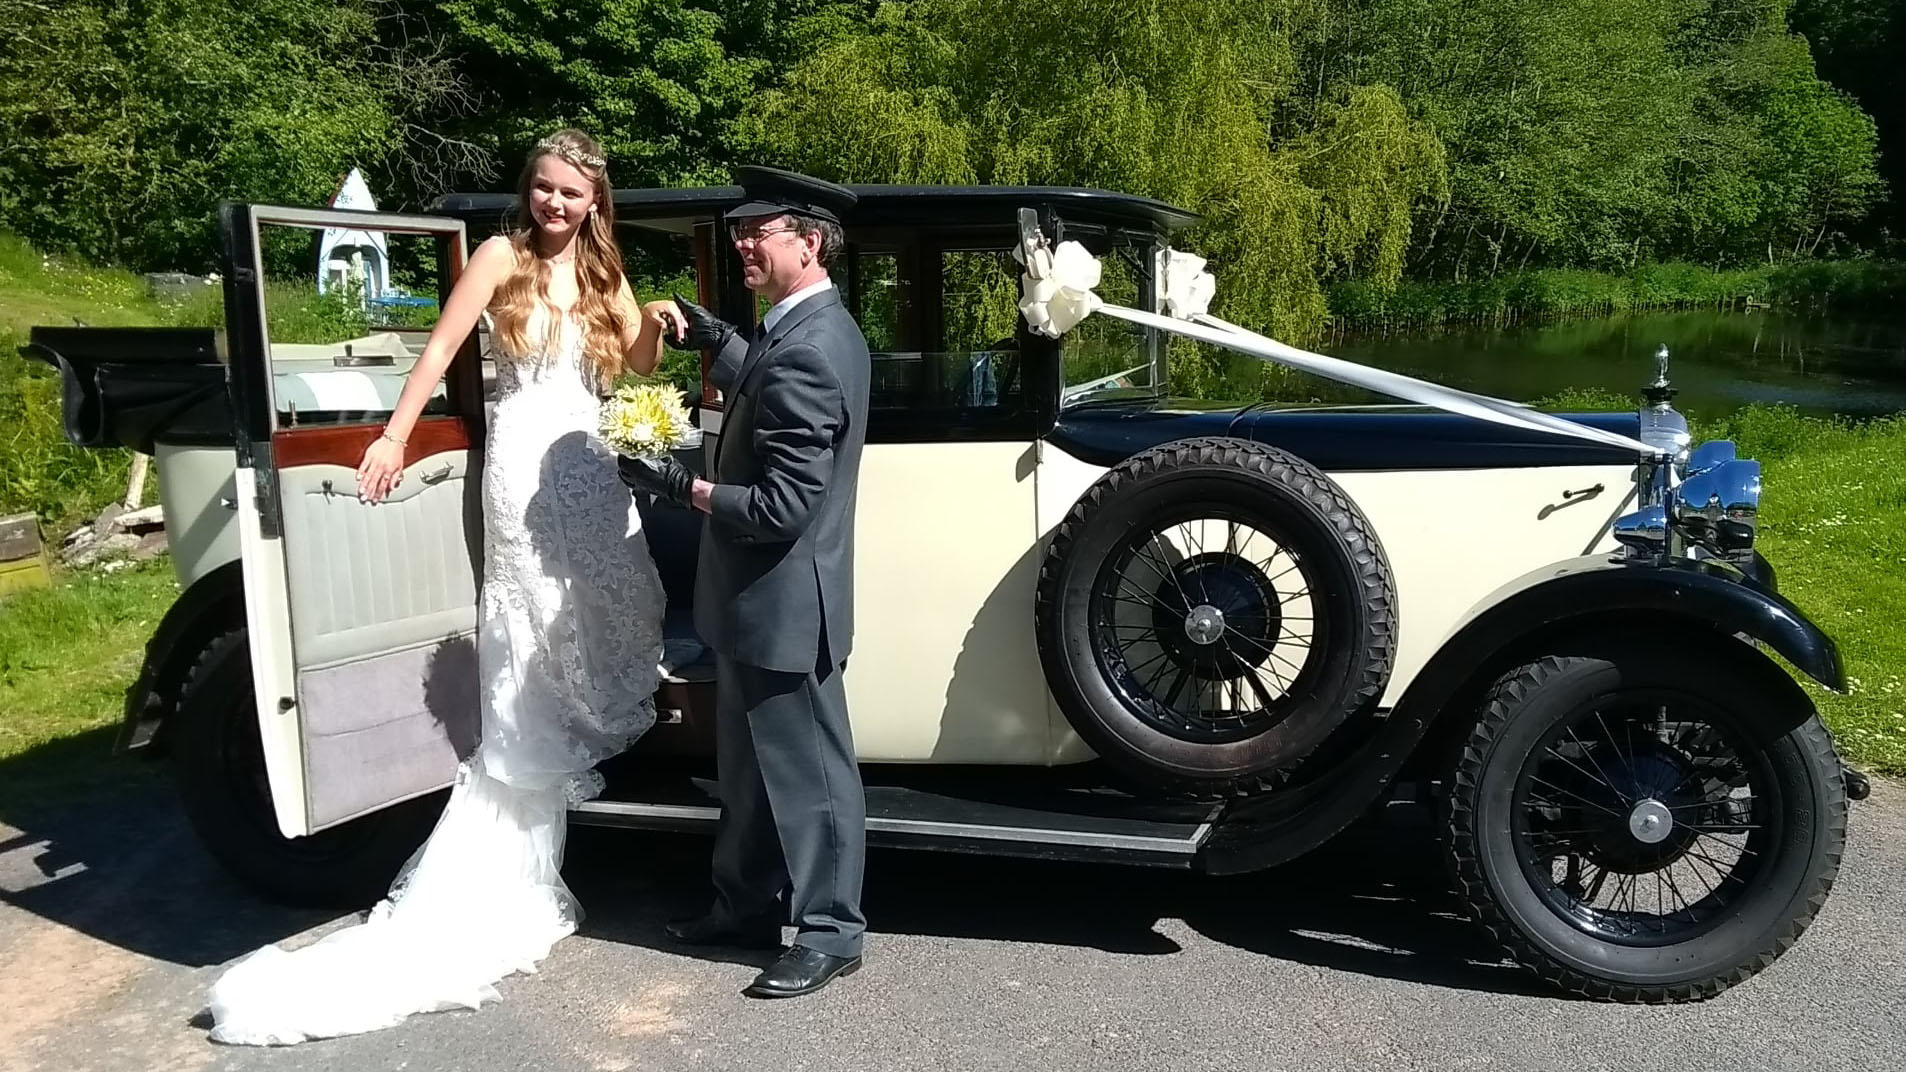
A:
(386, 435)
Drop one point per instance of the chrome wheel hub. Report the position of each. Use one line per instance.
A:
(1204, 624)
(1650, 822)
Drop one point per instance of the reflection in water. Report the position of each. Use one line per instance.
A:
(1720, 360)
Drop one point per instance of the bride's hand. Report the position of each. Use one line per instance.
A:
(381, 470)
(667, 317)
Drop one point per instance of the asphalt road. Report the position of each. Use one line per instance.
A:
(113, 923)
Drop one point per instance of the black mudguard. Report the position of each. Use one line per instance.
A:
(1350, 773)
(213, 604)
(1709, 592)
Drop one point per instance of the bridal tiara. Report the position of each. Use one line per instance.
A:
(571, 153)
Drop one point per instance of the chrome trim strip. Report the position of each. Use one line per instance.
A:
(600, 810)
(623, 810)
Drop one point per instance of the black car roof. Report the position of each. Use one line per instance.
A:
(679, 209)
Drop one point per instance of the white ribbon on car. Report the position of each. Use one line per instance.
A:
(1057, 292)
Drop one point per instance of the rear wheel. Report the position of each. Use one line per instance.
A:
(219, 766)
(1210, 612)
(1641, 825)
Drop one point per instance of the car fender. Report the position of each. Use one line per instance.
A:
(211, 604)
(1651, 591)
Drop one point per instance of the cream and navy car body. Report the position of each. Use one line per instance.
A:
(1094, 620)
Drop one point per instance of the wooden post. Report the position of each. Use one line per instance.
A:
(22, 554)
(136, 483)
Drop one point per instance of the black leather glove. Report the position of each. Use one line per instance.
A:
(664, 477)
(706, 331)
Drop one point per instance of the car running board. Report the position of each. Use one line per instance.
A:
(1058, 825)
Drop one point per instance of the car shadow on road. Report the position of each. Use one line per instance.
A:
(98, 843)
(1374, 903)
(110, 855)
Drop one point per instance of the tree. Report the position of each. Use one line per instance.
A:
(1857, 45)
(128, 121)
(658, 82)
(1172, 103)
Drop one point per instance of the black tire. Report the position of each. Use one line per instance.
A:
(1127, 702)
(1627, 760)
(218, 766)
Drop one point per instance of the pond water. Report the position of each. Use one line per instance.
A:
(1719, 361)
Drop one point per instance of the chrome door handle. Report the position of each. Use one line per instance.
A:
(437, 476)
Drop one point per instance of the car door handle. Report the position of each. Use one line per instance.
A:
(1570, 498)
(437, 476)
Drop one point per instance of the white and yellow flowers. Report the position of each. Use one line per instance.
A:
(647, 421)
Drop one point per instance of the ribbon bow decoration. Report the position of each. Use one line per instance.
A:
(1057, 289)
(1057, 293)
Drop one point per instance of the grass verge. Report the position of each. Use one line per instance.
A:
(67, 654)
(1833, 523)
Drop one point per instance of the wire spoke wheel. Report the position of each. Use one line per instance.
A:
(1209, 612)
(1206, 625)
(1645, 822)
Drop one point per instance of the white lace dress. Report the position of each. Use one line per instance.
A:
(569, 637)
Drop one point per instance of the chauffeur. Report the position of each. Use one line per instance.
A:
(774, 592)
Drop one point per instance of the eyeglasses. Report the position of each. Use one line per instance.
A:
(740, 234)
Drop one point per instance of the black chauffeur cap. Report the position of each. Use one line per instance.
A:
(772, 191)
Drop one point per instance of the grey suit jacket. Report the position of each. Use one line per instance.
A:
(777, 552)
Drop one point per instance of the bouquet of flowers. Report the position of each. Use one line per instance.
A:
(648, 421)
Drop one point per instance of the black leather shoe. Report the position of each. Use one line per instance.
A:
(800, 971)
(708, 930)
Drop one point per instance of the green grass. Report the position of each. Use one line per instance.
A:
(67, 654)
(1833, 523)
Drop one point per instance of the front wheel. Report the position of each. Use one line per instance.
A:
(219, 767)
(1639, 824)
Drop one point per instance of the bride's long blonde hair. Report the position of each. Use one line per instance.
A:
(598, 261)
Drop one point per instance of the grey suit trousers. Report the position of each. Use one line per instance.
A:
(793, 815)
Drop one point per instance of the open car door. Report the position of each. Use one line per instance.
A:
(361, 617)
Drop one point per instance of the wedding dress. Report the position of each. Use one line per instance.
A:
(569, 635)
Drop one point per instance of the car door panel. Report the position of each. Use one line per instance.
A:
(362, 616)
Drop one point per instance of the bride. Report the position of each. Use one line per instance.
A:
(569, 630)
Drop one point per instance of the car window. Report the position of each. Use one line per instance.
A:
(1105, 355)
(941, 329)
(347, 313)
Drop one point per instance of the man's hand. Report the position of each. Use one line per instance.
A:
(663, 477)
(706, 331)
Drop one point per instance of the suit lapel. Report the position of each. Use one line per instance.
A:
(767, 340)
(764, 342)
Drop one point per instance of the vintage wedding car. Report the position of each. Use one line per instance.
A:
(1095, 621)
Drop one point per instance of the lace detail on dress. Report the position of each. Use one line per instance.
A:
(569, 635)
(571, 607)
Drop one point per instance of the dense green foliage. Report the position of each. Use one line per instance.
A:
(1170, 102)
(1609, 133)
(128, 120)
(1326, 142)
(1858, 45)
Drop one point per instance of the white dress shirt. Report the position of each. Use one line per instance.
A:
(786, 305)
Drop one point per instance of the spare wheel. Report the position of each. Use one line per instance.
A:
(1210, 611)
